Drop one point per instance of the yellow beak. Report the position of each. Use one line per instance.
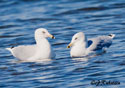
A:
(69, 45)
(51, 36)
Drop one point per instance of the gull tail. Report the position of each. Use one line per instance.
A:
(10, 49)
(112, 35)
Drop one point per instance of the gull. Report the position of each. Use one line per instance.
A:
(80, 46)
(40, 51)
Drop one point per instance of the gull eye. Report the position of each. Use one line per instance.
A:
(43, 32)
(75, 38)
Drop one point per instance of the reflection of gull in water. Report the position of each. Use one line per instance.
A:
(80, 58)
(86, 58)
(46, 61)
(41, 51)
(83, 58)
(83, 47)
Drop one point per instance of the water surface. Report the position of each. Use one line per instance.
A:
(62, 18)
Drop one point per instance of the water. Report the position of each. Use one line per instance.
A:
(62, 18)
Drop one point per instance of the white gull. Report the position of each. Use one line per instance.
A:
(40, 51)
(80, 46)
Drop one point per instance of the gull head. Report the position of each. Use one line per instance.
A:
(43, 33)
(78, 37)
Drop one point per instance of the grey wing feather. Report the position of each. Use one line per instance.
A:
(24, 52)
(100, 43)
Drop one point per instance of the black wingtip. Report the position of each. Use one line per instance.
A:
(12, 47)
(111, 35)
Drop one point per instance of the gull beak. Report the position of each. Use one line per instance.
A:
(51, 36)
(69, 45)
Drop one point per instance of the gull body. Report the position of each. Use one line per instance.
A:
(80, 46)
(40, 51)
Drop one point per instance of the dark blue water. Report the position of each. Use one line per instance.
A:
(62, 18)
